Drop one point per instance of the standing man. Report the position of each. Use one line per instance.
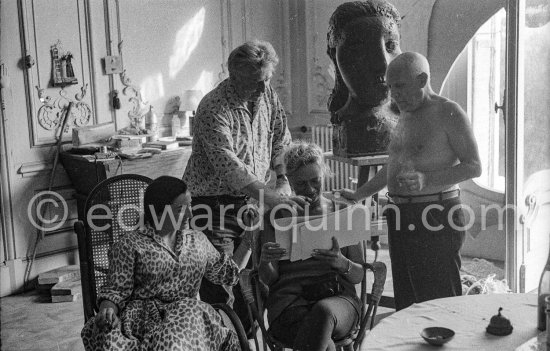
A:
(240, 131)
(432, 149)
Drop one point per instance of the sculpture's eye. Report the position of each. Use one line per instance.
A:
(391, 46)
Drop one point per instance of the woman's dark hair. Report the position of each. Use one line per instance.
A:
(344, 14)
(159, 194)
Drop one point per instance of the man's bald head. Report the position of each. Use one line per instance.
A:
(408, 77)
(412, 63)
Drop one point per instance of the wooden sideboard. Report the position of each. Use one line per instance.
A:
(85, 174)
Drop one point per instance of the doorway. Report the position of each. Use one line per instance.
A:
(502, 79)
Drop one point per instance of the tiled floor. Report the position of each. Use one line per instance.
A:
(30, 322)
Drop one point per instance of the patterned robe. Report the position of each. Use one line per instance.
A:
(233, 146)
(156, 289)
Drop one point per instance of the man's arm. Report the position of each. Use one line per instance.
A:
(462, 141)
(377, 183)
(281, 139)
(281, 134)
(217, 141)
(270, 198)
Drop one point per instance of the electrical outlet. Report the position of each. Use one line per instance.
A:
(113, 65)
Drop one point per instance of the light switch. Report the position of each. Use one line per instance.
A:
(113, 65)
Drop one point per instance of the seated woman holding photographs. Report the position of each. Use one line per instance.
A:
(300, 312)
(150, 299)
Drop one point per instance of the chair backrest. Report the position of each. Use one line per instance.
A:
(252, 292)
(113, 208)
(370, 300)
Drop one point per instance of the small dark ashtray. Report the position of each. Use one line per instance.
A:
(499, 325)
(437, 335)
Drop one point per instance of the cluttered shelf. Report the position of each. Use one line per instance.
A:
(86, 171)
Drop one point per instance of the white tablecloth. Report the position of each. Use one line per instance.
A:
(468, 316)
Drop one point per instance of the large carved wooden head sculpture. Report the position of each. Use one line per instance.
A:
(363, 38)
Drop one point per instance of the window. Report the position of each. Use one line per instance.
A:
(476, 82)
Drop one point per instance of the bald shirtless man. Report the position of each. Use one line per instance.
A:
(432, 149)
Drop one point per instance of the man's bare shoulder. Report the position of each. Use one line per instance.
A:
(447, 110)
(451, 116)
(442, 103)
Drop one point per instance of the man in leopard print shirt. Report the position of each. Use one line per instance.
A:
(240, 131)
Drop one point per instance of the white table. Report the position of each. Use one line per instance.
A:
(468, 316)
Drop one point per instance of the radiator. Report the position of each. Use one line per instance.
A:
(343, 175)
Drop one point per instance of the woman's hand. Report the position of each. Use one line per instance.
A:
(271, 252)
(332, 257)
(107, 316)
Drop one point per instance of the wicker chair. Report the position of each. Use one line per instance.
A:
(254, 296)
(98, 233)
(112, 209)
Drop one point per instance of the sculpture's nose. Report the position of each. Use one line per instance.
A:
(379, 61)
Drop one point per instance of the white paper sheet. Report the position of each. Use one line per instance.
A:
(349, 225)
(286, 233)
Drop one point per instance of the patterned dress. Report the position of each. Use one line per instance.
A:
(156, 290)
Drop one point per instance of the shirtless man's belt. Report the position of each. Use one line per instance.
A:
(413, 199)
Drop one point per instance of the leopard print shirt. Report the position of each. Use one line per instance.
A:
(233, 147)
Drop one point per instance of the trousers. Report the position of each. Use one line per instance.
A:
(424, 244)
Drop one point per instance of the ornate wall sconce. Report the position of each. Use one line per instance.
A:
(52, 110)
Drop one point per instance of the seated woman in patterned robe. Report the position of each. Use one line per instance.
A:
(150, 299)
(294, 318)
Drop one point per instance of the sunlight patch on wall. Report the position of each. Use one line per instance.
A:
(206, 82)
(187, 39)
(152, 88)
